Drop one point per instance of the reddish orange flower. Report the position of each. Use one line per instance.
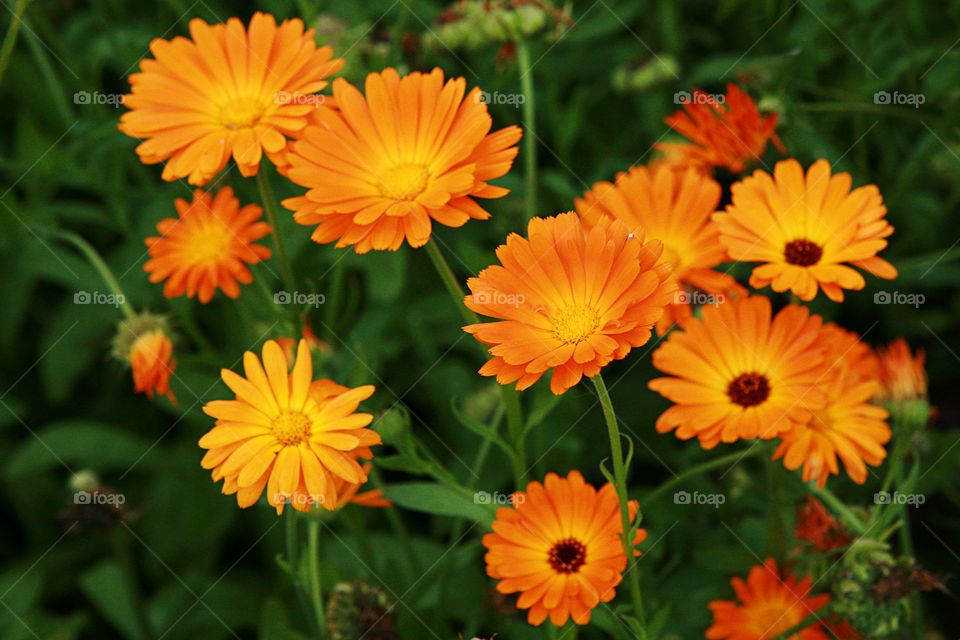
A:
(207, 246)
(225, 92)
(569, 298)
(559, 546)
(818, 527)
(383, 168)
(902, 375)
(806, 229)
(151, 358)
(768, 605)
(729, 134)
(673, 206)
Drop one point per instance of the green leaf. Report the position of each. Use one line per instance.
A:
(438, 499)
(483, 430)
(111, 590)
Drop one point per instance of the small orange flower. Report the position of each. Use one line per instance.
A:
(560, 547)
(151, 358)
(818, 527)
(902, 375)
(806, 229)
(730, 134)
(227, 91)
(289, 345)
(287, 433)
(569, 298)
(207, 246)
(768, 605)
(347, 493)
(738, 373)
(381, 169)
(673, 206)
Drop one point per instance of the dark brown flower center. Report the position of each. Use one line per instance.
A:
(748, 389)
(802, 253)
(567, 556)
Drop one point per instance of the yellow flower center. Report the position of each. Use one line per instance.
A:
(241, 113)
(209, 243)
(672, 257)
(404, 181)
(291, 428)
(772, 617)
(575, 323)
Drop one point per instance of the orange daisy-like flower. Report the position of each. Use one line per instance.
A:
(570, 298)
(560, 546)
(768, 605)
(382, 169)
(151, 358)
(902, 375)
(848, 426)
(287, 433)
(738, 373)
(806, 229)
(207, 246)
(227, 91)
(673, 206)
(728, 134)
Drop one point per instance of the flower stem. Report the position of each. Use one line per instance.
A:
(620, 482)
(10, 39)
(293, 561)
(511, 401)
(101, 267)
(530, 133)
(313, 574)
(269, 206)
(703, 467)
(849, 517)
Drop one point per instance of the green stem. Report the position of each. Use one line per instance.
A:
(124, 551)
(703, 467)
(313, 574)
(776, 530)
(101, 267)
(331, 307)
(620, 482)
(296, 575)
(529, 122)
(849, 517)
(11, 38)
(511, 400)
(269, 205)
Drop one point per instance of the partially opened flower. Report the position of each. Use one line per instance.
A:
(383, 168)
(728, 133)
(902, 374)
(818, 527)
(807, 230)
(847, 427)
(673, 206)
(151, 359)
(559, 545)
(766, 606)
(287, 433)
(739, 372)
(207, 247)
(227, 91)
(569, 298)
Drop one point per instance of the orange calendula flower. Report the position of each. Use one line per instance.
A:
(902, 375)
(207, 246)
(818, 527)
(560, 547)
(673, 206)
(570, 298)
(287, 433)
(151, 358)
(847, 426)
(729, 134)
(806, 230)
(227, 91)
(768, 605)
(739, 373)
(381, 169)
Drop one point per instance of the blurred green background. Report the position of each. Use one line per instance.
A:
(185, 562)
